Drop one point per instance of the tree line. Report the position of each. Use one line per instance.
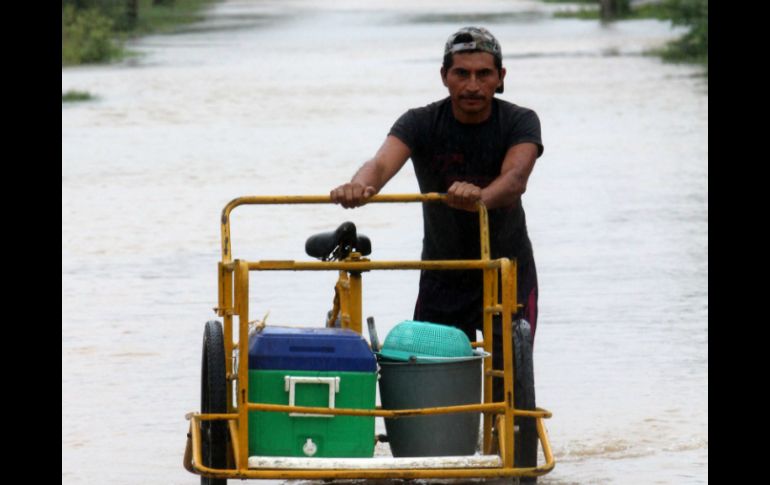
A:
(94, 30)
(693, 14)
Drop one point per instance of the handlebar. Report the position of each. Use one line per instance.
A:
(326, 199)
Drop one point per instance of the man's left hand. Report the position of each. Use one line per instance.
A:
(463, 195)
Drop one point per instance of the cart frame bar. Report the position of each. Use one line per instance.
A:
(233, 288)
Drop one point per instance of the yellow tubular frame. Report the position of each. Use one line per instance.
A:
(233, 301)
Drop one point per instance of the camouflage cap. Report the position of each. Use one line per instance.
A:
(473, 38)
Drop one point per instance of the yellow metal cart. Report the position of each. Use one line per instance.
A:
(217, 445)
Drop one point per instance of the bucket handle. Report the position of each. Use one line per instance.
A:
(476, 354)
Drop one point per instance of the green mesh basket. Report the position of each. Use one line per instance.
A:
(412, 340)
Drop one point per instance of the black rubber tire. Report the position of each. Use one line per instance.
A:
(526, 439)
(214, 400)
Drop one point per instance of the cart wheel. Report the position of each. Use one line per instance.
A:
(526, 440)
(213, 400)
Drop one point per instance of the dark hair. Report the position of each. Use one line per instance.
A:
(449, 59)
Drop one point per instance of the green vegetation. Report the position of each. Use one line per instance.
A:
(93, 31)
(86, 37)
(164, 16)
(692, 47)
(72, 96)
(592, 11)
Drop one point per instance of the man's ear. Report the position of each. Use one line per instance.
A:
(500, 85)
(443, 75)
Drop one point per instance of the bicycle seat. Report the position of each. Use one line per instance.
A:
(338, 244)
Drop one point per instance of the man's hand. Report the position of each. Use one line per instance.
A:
(462, 195)
(352, 194)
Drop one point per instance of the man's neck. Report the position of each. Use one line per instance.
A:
(472, 118)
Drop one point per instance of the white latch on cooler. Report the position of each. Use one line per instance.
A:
(290, 386)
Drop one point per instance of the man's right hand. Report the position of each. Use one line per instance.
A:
(352, 194)
(373, 175)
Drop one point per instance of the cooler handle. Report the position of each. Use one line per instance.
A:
(290, 386)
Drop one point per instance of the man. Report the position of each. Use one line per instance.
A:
(475, 148)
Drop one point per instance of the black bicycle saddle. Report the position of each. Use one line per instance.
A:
(338, 244)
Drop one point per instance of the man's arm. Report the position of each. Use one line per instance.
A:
(506, 189)
(373, 175)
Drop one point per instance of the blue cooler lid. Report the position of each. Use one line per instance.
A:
(322, 349)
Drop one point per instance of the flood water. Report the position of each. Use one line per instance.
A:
(290, 97)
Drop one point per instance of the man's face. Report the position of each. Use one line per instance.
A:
(472, 81)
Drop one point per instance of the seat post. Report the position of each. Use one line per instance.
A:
(355, 288)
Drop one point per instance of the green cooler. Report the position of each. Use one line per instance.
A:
(319, 367)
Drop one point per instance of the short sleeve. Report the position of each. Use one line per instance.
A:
(405, 129)
(526, 128)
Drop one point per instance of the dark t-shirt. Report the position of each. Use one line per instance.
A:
(445, 151)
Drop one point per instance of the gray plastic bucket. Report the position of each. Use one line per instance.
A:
(410, 385)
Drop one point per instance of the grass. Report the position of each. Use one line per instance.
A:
(160, 19)
(87, 37)
(96, 35)
(72, 96)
